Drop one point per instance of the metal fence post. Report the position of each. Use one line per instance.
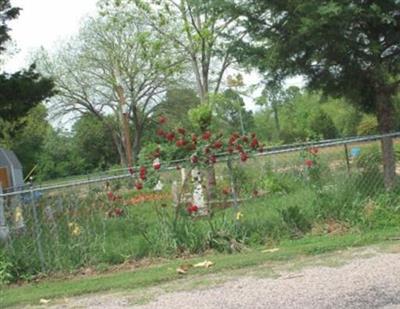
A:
(4, 231)
(38, 232)
(233, 185)
(346, 151)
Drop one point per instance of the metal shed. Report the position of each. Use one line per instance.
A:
(11, 175)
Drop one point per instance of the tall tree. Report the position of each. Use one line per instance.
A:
(197, 30)
(346, 48)
(115, 66)
(21, 91)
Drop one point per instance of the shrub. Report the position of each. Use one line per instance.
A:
(5, 270)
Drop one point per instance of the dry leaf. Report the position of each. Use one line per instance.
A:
(181, 271)
(270, 250)
(183, 268)
(44, 301)
(205, 264)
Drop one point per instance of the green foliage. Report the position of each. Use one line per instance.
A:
(59, 158)
(30, 139)
(295, 221)
(323, 124)
(22, 91)
(322, 40)
(231, 114)
(176, 105)
(201, 116)
(345, 116)
(7, 13)
(5, 269)
(302, 118)
(93, 142)
(368, 125)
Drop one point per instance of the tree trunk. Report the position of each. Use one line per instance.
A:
(118, 145)
(137, 141)
(276, 119)
(385, 111)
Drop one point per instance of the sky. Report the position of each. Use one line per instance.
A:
(44, 23)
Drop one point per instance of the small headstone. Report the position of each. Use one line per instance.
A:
(159, 186)
(198, 192)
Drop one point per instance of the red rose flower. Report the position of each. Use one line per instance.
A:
(162, 120)
(192, 209)
(243, 156)
(139, 186)
(217, 144)
(131, 170)
(118, 212)
(181, 131)
(233, 138)
(156, 164)
(111, 197)
(160, 132)
(170, 136)
(142, 173)
(309, 163)
(180, 143)
(206, 135)
(194, 159)
(254, 143)
(213, 159)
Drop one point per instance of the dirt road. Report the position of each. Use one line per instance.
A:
(368, 278)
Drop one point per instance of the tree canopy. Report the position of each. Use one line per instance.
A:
(346, 48)
(23, 90)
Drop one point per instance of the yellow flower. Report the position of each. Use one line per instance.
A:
(239, 215)
(74, 229)
(18, 214)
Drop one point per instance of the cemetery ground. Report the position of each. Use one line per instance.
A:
(349, 258)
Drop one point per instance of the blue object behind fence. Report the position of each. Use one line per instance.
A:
(355, 152)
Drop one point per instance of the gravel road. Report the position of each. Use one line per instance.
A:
(367, 282)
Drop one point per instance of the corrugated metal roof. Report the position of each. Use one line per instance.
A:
(10, 157)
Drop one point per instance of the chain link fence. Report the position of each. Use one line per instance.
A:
(109, 219)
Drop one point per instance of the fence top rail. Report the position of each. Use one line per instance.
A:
(123, 172)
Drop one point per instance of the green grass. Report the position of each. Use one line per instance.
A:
(153, 275)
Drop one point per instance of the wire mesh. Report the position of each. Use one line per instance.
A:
(110, 219)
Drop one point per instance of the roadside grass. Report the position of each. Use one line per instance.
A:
(288, 250)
